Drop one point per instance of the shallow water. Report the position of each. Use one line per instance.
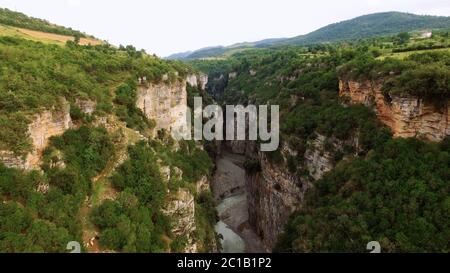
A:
(229, 191)
(230, 202)
(231, 242)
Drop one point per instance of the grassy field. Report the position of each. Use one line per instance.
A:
(403, 55)
(43, 36)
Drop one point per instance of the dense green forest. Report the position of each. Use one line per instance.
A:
(45, 221)
(394, 191)
(34, 221)
(17, 19)
(398, 195)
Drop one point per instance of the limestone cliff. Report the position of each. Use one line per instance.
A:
(197, 80)
(319, 157)
(46, 124)
(275, 193)
(165, 103)
(407, 116)
(181, 209)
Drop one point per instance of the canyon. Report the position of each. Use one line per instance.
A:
(253, 206)
(230, 192)
(273, 193)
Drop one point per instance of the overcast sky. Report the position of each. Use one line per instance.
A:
(169, 26)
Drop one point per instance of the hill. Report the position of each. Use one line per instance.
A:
(367, 26)
(44, 37)
(373, 25)
(20, 20)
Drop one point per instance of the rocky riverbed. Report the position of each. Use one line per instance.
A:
(229, 191)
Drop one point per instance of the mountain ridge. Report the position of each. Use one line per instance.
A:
(361, 27)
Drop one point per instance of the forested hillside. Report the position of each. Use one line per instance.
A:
(378, 24)
(36, 75)
(104, 179)
(17, 19)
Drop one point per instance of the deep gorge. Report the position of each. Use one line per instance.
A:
(352, 120)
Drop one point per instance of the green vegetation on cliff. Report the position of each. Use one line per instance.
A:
(426, 75)
(36, 75)
(135, 221)
(397, 195)
(80, 188)
(46, 220)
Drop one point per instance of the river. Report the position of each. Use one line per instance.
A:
(229, 191)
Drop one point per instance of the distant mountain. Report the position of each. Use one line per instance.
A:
(378, 24)
(178, 56)
(367, 26)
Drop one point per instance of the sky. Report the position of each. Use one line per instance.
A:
(164, 27)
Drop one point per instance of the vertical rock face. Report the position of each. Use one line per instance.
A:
(45, 125)
(195, 80)
(407, 116)
(273, 195)
(181, 209)
(192, 80)
(319, 157)
(203, 79)
(164, 103)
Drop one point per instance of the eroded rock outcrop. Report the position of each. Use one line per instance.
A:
(274, 192)
(45, 125)
(165, 103)
(320, 156)
(273, 195)
(407, 116)
(200, 80)
(181, 209)
(86, 106)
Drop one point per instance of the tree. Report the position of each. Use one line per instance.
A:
(76, 39)
(403, 38)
